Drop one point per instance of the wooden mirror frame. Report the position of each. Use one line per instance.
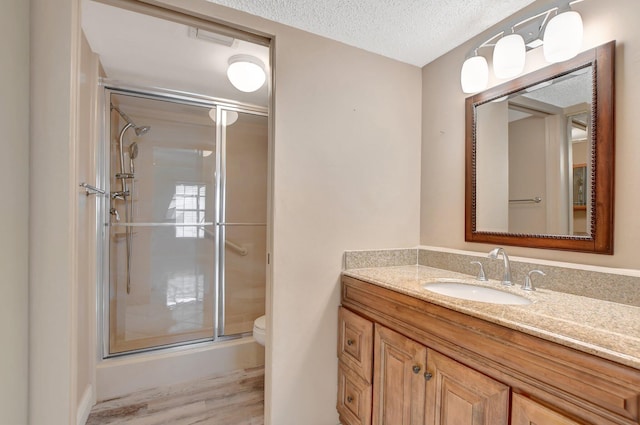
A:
(600, 240)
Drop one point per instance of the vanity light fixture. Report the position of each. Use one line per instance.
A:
(557, 29)
(563, 36)
(246, 73)
(509, 56)
(475, 74)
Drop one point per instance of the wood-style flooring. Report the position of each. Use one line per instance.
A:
(235, 398)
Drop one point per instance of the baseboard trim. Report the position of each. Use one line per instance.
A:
(85, 405)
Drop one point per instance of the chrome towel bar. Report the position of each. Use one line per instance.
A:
(537, 200)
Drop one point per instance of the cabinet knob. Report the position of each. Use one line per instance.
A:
(349, 399)
(427, 376)
(349, 341)
(416, 369)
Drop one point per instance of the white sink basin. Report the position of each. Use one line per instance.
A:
(467, 291)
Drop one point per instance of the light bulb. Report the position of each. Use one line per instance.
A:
(563, 37)
(474, 76)
(509, 56)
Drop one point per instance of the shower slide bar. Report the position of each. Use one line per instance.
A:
(92, 190)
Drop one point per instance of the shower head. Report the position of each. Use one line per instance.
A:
(139, 130)
(142, 130)
(133, 150)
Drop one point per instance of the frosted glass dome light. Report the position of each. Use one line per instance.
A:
(246, 73)
(563, 37)
(509, 56)
(474, 76)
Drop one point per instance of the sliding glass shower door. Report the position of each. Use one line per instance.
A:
(171, 172)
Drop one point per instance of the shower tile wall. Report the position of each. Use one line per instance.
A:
(173, 296)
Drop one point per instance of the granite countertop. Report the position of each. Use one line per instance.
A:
(605, 329)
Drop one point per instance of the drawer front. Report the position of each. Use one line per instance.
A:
(354, 397)
(355, 343)
(525, 412)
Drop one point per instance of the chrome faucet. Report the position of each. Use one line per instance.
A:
(120, 194)
(527, 285)
(481, 276)
(506, 279)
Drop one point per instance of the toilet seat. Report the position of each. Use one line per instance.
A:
(260, 329)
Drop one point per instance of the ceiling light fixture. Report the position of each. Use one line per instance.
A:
(246, 73)
(562, 29)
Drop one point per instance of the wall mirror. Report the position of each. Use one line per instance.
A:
(540, 157)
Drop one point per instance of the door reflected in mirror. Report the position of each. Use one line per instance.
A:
(540, 157)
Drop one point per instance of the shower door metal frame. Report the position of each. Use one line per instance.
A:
(104, 221)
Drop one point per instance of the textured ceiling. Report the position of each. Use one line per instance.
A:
(411, 31)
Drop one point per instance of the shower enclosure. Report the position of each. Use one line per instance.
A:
(185, 220)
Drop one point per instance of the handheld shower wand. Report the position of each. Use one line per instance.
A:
(126, 192)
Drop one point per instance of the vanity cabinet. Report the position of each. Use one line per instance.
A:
(437, 366)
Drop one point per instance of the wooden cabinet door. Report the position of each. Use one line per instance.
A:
(459, 395)
(398, 380)
(525, 411)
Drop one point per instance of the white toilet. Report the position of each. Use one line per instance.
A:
(260, 330)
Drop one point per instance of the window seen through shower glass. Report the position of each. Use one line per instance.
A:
(163, 248)
(188, 207)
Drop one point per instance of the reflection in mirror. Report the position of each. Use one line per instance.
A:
(540, 157)
(527, 145)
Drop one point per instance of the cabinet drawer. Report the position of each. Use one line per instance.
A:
(354, 397)
(355, 343)
(525, 412)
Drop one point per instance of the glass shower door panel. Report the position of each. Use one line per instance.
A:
(172, 293)
(245, 277)
(246, 161)
(162, 276)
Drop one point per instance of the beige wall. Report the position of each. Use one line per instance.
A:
(86, 227)
(14, 173)
(53, 192)
(491, 157)
(442, 205)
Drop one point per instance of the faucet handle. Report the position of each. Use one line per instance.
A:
(481, 276)
(527, 285)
